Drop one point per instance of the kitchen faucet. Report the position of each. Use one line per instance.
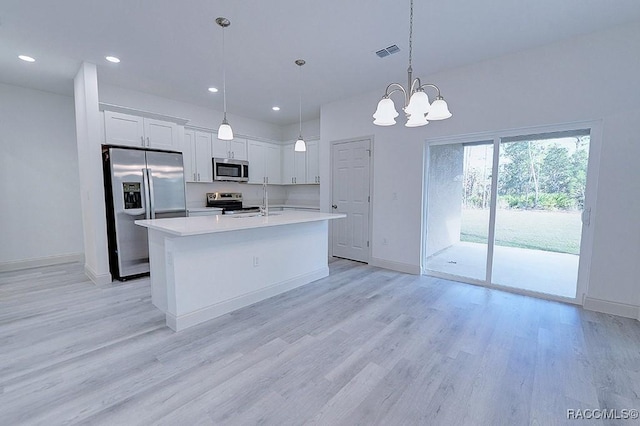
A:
(264, 209)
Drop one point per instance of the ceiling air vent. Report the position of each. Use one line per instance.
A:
(388, 51)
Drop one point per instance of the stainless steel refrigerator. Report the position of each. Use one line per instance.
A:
(139, 184)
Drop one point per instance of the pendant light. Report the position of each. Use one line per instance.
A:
(416, 102)
(300, 145)
(224, 131)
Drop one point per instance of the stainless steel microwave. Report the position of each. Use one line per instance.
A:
(229, 169)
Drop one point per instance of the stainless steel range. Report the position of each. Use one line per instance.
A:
(229, 202)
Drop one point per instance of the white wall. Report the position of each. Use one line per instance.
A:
(310, 130)
(197, 116)
(593, 77)
(40, 220)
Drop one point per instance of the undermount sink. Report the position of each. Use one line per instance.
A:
(243, 215)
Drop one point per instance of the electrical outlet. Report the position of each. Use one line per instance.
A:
(256, 261)
(384, 242)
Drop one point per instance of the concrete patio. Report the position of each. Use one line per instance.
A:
(534, 270)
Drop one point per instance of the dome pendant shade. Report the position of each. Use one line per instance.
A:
(225, 132)
(300, 145)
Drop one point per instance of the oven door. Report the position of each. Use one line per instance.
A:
(227, 169)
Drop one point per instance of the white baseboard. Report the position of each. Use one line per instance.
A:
(98, 279)
(395, 266)
(613, 308)
(41, 261)
(180, 322)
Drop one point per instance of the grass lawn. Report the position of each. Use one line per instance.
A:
(533, 229)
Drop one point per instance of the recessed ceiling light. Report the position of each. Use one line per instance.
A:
(213, 89)
(276, 108)
(112, 59)
(26, 58)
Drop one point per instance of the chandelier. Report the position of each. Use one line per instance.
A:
(416, 102)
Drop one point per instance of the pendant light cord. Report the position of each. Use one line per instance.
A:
(224, 79)
(300, 100)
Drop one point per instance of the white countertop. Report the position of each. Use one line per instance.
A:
(185, 226)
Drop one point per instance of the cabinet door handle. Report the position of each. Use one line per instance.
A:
(141, 140)
(198, 177)
(148, 142)
(194, 176)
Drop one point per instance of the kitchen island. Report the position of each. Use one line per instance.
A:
(204, 267)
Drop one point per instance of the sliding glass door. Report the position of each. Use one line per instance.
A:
(459, 197)
(507, 212)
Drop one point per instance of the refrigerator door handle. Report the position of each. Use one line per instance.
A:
(147, 202)
(151, 194)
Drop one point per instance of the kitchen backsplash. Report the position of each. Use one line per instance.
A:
(304, 195)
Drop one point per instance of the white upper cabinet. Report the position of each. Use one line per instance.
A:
(141, 132)
(313, 162)
(204, 165)
(294, 168)
(236, 148)
(273, 163)
(160, 134)
(196, 154)
(257, 163)
(189, 155)
(264, 162)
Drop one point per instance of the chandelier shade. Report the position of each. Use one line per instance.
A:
(439, 110)
(385, 113)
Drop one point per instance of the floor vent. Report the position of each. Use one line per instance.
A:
(388, 51)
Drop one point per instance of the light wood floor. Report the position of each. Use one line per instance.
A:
(363, 346)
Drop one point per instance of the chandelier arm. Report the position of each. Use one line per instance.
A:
(398, 88)
(431, 85)
(416, 85)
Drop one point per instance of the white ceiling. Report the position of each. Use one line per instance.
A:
(172, 48)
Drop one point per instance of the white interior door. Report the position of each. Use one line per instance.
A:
(351, 196)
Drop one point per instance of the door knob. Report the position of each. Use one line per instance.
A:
(334, 206)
